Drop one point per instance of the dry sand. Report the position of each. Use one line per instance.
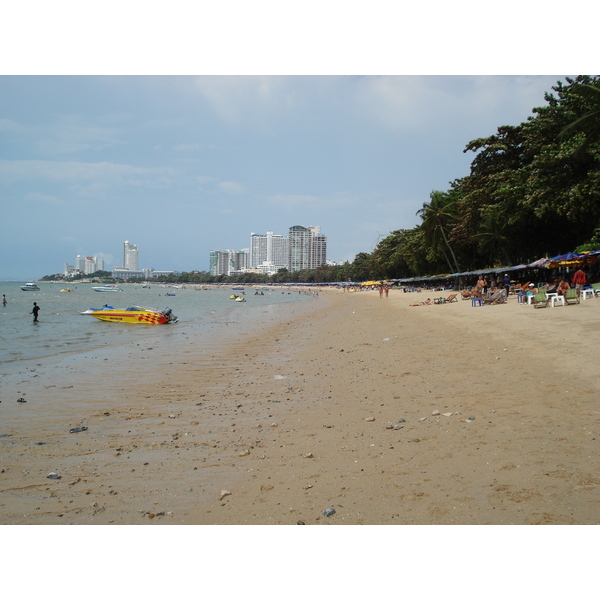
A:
(335, 405)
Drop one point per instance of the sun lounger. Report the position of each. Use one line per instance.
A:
(497, 297)
(450, 298)
(540, 300)
(571, 297)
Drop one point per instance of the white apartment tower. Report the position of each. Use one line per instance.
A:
(307, 247)
(268, 252)
(130, 256)
(226, 262)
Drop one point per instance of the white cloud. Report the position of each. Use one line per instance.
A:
(191, 147)
(8, 125)
(291, 201)
(102, 174)
(45, 199)
(231, 187)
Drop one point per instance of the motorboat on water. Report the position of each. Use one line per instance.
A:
(135, 314)
(30, 287)
(107, 288)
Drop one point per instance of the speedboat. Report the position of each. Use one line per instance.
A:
(107, 288)
(135, 314)
(30, 287)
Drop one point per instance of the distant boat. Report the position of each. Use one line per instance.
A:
(30, 287)
(240, 289)
(167, 294)
(107, 288)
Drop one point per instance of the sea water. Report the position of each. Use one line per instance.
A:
(62, 330)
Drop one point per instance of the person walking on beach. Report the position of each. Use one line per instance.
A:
(506, 283)
(579, 280)
(34, 312)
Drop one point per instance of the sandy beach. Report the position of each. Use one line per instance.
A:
(387, 413)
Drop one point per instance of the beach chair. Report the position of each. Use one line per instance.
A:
(521, 288)
(497, 297)
(450, 298)
(571, 297)
(596, 288)
(540, 300)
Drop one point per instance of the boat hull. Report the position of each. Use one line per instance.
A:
(136, 315)
(125, 317)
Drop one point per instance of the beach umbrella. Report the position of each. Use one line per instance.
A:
(565, 260)
(541, 262)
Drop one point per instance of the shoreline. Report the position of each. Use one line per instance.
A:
(303, 412)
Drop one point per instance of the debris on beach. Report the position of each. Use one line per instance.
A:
(78, 429)
(21, 400)
(279, 377)
(370, 419)
(224, 493)
(53, 476)
(435, 413)
(447, 414)
(309, 455)
(328, 512)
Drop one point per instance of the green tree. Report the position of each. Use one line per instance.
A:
(438, 217)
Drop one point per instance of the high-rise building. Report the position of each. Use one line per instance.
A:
(268, 252)
(226, 262)
(80, 263)
(307, 247)
(89, 265)
(130, 256)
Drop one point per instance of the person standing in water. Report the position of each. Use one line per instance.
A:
(4, 302)
(34, 312)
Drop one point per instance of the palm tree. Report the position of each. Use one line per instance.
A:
(589, 123)
(492, 238)
(438, 216)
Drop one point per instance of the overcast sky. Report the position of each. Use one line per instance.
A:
(180, 165)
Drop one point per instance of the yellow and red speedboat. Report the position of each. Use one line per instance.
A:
(135, 314)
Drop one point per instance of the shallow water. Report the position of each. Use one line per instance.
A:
(62, 330)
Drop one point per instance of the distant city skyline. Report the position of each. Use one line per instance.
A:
(304, 248)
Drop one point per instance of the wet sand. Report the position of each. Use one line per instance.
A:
(386, 413)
